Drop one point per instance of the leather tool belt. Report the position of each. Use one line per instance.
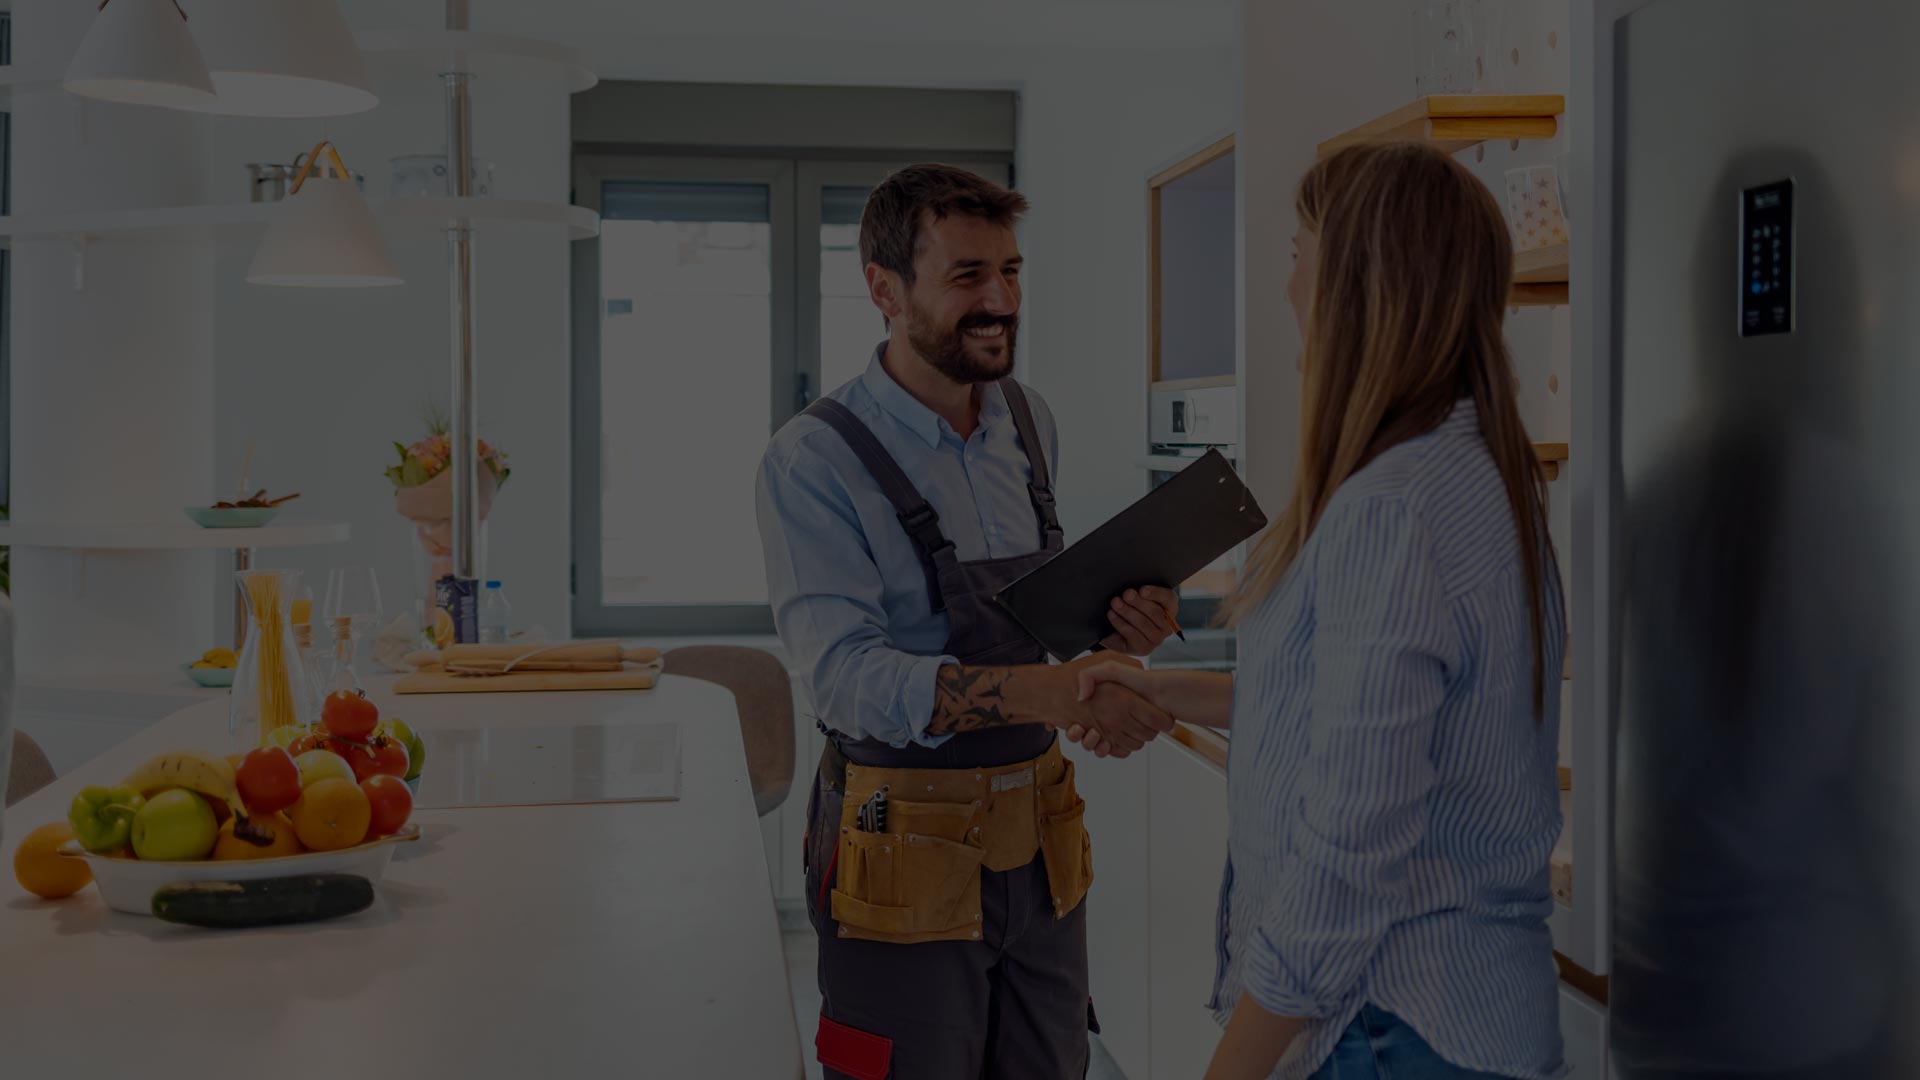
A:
(919, 879)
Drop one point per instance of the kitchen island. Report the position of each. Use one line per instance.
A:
(634, 939)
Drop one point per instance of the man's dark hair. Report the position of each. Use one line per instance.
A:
(891, 225)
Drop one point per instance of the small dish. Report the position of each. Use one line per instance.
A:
(210, 677)
(129, 884)
(237, 517)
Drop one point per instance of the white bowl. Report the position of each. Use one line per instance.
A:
(129, 884)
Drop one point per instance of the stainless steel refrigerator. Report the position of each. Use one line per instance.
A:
(1766, 352)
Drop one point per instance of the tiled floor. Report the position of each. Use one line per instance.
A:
(802, 951)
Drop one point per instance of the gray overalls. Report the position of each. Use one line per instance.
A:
(1012, 1005)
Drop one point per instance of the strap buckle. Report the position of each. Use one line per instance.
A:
(1042, 496)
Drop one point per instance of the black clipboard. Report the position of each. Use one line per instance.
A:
(1163, 539)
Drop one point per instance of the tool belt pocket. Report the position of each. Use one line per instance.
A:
(918, 881)
(1064, 843)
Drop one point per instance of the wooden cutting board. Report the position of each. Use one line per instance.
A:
(439, 682)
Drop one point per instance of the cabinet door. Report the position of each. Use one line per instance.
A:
(1188, 844)
(1117, 928)
(1583, 1026)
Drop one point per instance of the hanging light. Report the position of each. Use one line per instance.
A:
(287, 58)
(140, 52)
(322, 233)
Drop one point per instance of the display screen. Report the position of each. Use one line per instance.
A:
(1766, 259)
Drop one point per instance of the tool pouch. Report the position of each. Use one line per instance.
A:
(920, 879)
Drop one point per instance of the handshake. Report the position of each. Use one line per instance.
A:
(1110, 712)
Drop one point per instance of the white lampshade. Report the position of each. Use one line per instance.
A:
(323, 235)
(140, 52)
(280, 58)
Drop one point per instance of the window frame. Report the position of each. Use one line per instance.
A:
(797, 179)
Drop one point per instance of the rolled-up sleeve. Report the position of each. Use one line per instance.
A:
(1381, 635)
(828, 604)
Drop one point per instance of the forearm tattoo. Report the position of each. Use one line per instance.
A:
(970, 699)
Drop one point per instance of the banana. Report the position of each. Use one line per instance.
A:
(207, 774)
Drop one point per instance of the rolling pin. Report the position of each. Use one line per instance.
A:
(590, 652)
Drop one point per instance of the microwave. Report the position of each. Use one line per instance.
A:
(1199, 417)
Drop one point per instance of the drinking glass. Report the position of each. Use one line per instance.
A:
(352, 609)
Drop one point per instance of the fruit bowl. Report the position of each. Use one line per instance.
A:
(128, 884)
(210, 677)
(236, 517)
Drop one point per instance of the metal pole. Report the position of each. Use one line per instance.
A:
(466, 457)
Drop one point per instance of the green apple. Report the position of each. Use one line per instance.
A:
(317, 765)
(174, 825)
(416, 748)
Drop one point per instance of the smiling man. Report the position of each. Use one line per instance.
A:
(946, 857)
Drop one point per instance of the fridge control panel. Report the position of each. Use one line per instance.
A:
(1766, 259)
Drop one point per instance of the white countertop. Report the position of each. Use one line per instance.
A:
(632, 939)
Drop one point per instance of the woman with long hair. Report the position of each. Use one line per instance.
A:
(1391, 778)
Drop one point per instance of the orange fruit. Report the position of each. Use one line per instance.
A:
(285, 842)
(331, 814)
(221, 811)
(44, 872)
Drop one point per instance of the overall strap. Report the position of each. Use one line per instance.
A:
(916, 515)
(1041, 489)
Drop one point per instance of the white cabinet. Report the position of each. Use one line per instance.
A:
(1117, 923)
(1188, 849)
(1583, 1025)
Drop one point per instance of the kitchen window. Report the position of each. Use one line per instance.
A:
(724, 292)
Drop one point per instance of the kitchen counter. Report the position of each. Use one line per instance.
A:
(570, 940)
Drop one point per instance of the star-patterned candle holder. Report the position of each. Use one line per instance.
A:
(1534, 208)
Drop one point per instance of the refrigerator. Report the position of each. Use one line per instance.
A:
(1766, 365)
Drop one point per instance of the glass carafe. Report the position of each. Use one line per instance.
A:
(270, 688)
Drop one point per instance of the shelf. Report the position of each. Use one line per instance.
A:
(1207, 382)
(1551, 455)
(1164, 462)
(205, 221)
(436, 52)
(1540, 277)
(1208, 585)
(1209, 744)
(1456, 122)
(183, 535)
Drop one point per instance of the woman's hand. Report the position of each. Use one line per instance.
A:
(1098, 680)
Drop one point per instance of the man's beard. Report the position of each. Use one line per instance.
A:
(947, 350)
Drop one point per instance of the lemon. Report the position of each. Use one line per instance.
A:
(220, 658)
(442, 628)
(284, 735)
(202, 664)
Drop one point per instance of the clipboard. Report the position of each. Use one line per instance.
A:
(1163, 539)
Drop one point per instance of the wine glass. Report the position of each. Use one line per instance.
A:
(352, 610)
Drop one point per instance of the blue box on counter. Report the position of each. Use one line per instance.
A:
(460, 599)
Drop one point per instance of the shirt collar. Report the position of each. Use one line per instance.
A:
(915, 417)
(1463, 419)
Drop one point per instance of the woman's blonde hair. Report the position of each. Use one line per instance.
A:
(1408, 305)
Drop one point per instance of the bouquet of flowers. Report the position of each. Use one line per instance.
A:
(423, 490)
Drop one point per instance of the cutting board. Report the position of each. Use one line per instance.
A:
(439, 682)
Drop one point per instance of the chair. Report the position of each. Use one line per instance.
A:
(764, 697)
(30, 770)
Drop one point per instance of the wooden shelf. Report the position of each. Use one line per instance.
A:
(1207, 584)
(182, 535)
(1206, 742)
(1551, 455)
(1540, 277)
(1205, 382)
(1456, 122)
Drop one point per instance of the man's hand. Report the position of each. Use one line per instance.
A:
(1109, 718)
(1142, 618)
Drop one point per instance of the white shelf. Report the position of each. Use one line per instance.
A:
(436, 52)
(1164, 462)
(182, 535)
(190, 221)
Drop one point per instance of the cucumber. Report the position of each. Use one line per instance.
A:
(229, 905)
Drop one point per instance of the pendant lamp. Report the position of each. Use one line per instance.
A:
(285, 58)
(322, 233)
(140, 52)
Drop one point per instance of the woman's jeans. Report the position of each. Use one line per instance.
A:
(1380, 1046)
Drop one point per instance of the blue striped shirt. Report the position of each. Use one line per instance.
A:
(1393, 799)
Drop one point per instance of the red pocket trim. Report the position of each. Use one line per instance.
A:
(859, 1054)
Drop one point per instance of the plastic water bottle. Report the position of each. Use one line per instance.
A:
(495, 615)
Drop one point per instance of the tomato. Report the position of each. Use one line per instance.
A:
(348, 714)
(386, 757)
(269, 780)
(392, 804)
(303, 744)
